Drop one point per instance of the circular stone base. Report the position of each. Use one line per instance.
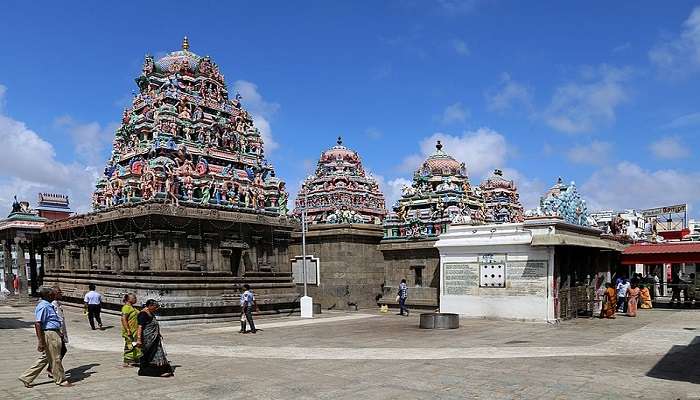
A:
(439, 321)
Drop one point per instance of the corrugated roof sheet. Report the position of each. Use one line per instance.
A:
(663, 248)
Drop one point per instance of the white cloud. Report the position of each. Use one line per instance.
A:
(508, 94)
(456, 7)
(679, 56)
(90, 139)
(460, 47)
(584, 106)
(482, 150)
(260, 109)
(669, 148)
(374, 133)
(391, 189)
(28, 165)
(691, 119)
(595, 153)
(530, 190)
(454, 113)
(627, 185)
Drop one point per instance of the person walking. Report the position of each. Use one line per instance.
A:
(675, 289)
(403, 295)
(15, 284)
(56, 303)
(130, 326)
(609, 302)
(247, 304)
(632, 299)
(93, 305)
(622, 295)
(154, 361)
(645, 296)
(47, 326)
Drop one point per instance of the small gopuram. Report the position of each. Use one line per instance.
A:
(345, 212)
(341, 192)
(546, 268)
(188, 208)
(439, 194)
(501, 199)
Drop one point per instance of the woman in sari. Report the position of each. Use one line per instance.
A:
(632, 299)
(646, 297)
(129, 328)
(153, 361)
(609, 302)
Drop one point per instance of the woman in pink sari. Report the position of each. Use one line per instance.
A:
(632, 299)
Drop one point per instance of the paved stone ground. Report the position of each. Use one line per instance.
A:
(371, 356)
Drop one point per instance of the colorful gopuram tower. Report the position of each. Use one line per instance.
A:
(440, 192)
(186, 140)
(188, 210)
(341, 191)
(501, 199)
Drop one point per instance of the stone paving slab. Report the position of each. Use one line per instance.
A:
(654, 356)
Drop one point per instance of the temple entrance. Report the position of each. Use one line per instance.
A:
(235, 260)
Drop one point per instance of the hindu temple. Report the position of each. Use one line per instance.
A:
(188, 208)
(440, 192)
(501, 199)
(341, 191)
(344, 214)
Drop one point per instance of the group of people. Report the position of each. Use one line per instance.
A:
(625, 296)
(143, 345)
(143, 342)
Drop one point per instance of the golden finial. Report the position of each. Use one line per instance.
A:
(185, 44)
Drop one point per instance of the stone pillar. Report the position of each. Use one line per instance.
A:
(21, 269)
(7, 264)
(34, 281)
(133, 258)
(177, 264)
(161, 254)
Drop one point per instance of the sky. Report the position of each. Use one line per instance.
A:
(604, 94)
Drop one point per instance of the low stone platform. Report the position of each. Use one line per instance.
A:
(374, 356)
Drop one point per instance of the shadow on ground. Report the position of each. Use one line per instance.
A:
(679, 364)
(77, 374)
(14, 323)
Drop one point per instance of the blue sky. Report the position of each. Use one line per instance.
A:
(601, 93)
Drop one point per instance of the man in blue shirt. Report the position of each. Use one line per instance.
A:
(48, 332)
(403, 295)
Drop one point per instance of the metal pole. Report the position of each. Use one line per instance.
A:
(303, 242)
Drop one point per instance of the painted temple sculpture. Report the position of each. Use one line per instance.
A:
(185, 140)
(565, 202)
(442, 194)
(341, 191)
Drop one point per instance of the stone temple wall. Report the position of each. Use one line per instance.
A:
(401, 260)
(351, 266)
(194, 261)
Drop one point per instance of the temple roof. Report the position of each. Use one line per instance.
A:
(166, 62)
(440, 163)
(340, 190)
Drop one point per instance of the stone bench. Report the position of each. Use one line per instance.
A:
(439, 321)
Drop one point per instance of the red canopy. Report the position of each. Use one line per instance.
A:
(662, 253)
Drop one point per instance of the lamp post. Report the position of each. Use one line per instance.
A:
(307, 307)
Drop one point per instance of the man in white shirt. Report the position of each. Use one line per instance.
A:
(622, 288)
(93, 306)
(247, 304)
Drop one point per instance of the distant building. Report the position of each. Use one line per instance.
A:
(53, 206)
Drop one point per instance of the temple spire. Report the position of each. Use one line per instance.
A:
(339, 141)
(438, 146)
(185, 44)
